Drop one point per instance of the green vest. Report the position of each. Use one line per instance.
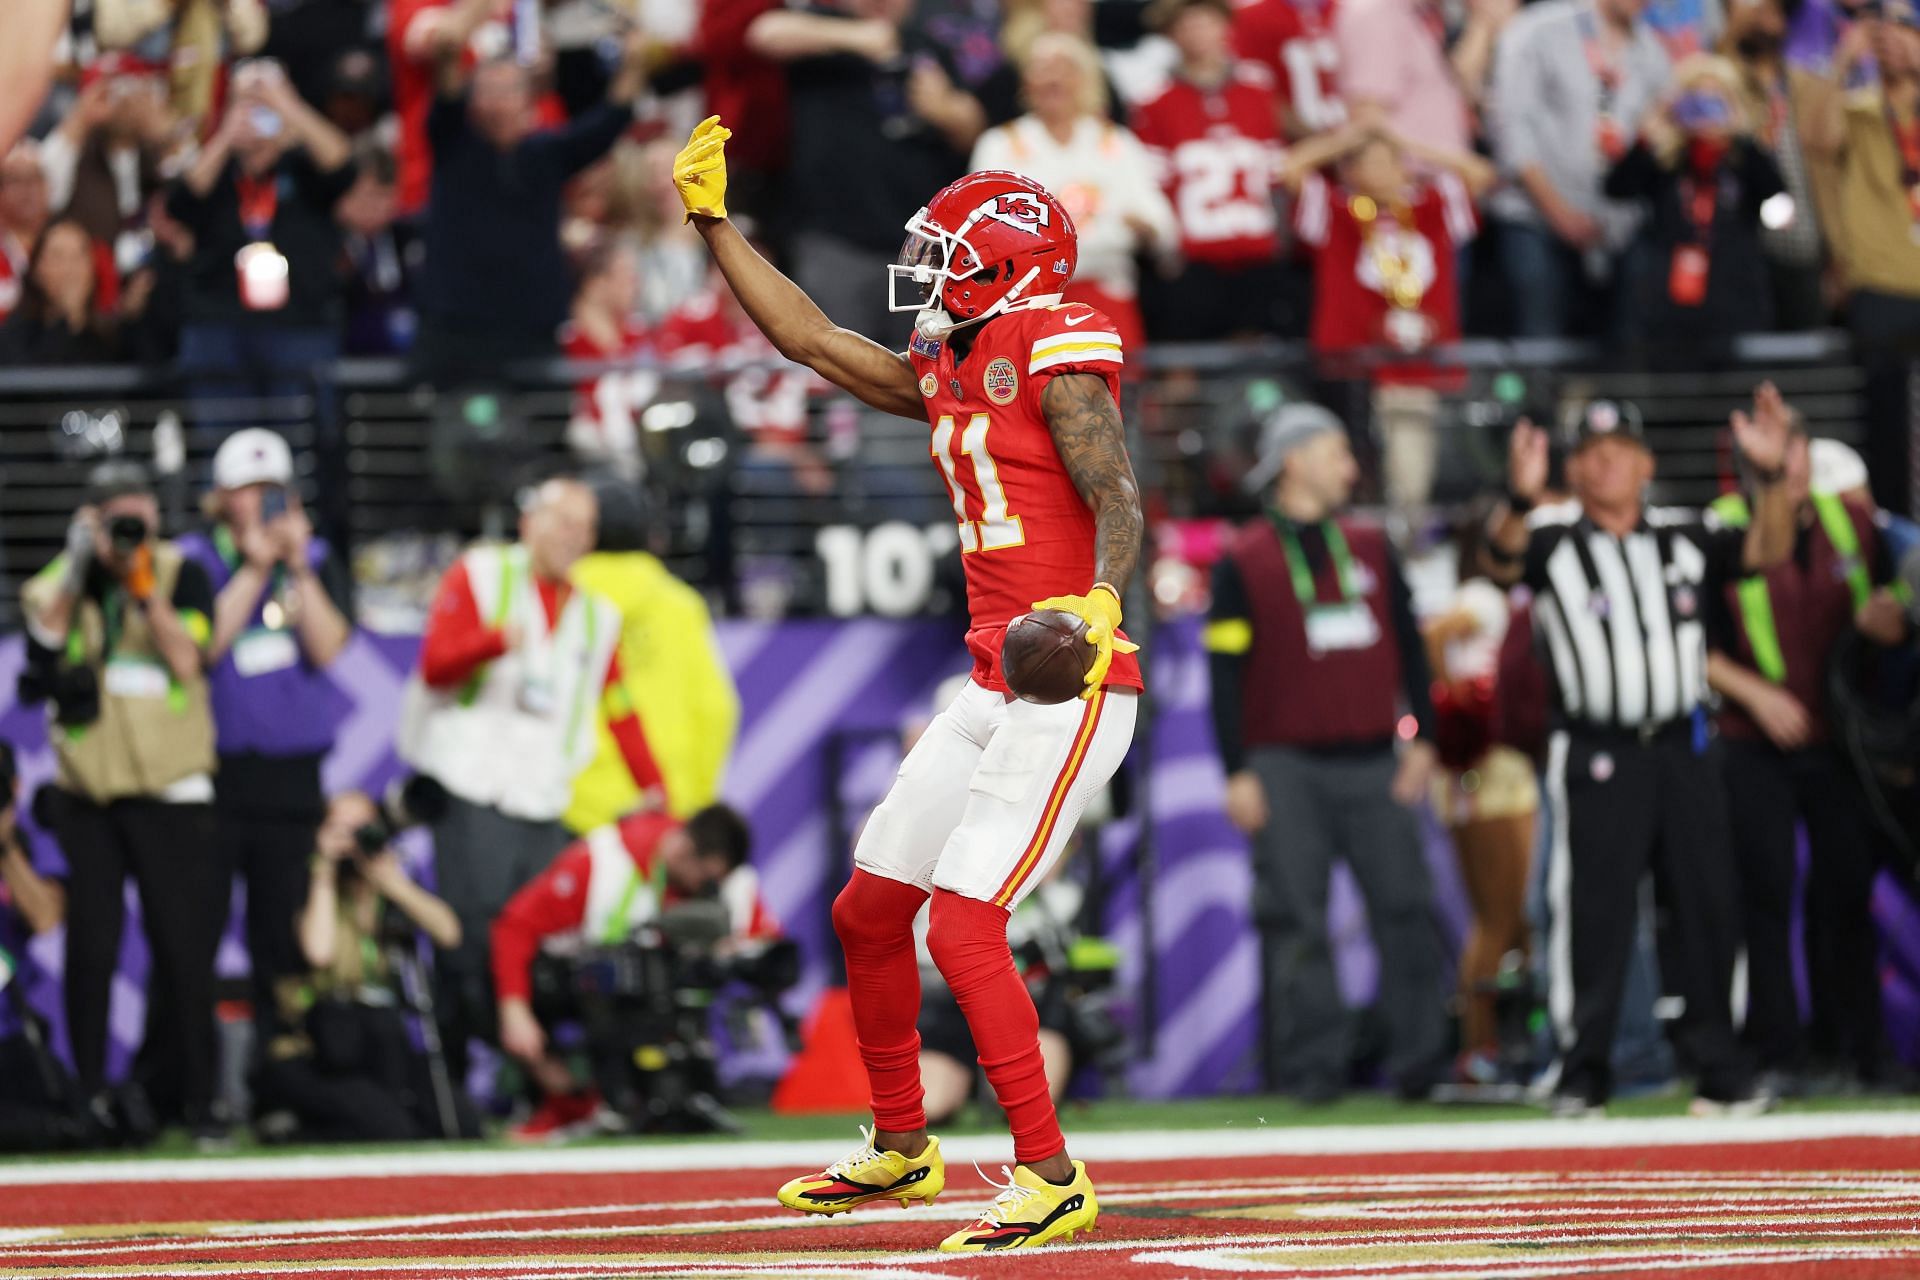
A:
(1756, 603)
(153, 729)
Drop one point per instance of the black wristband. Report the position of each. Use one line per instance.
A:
(1500, 555)
(1774, 476)
(1519, 503)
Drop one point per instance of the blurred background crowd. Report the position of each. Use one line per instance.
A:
(299, 296)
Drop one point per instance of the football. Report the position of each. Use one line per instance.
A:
(1045, 656)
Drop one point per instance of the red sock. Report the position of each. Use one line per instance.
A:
(874, 918)
(968, 939)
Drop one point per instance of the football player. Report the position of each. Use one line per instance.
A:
(1020, 392)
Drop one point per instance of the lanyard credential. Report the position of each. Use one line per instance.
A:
(1303, 584)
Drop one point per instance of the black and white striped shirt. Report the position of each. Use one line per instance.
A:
(1621, 621)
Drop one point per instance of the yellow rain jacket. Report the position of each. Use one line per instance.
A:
(679, 685)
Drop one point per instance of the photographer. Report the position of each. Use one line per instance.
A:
(117, 626)
(36, 1106)
(279, 621)
(599, 891)
(345, 1066)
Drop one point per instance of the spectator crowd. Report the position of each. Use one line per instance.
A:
(252, 191)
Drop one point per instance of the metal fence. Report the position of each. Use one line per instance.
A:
(400, 472)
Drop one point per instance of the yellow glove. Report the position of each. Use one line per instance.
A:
(700, 170)
(1100, 609)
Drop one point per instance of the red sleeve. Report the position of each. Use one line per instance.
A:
(1073, 338)
(554, 901)
(456, 642)
(1258, 36)
(624, 723)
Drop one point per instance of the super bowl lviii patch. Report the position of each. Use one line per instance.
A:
(1001, 382)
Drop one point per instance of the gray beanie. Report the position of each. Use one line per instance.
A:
(1289, 427)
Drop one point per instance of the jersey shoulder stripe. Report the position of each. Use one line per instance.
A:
(1072, 334)
(1084, 353)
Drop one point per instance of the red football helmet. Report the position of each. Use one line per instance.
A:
(990, 243)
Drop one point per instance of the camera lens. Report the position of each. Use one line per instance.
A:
(126, 532)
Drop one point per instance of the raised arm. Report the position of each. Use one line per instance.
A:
(797, 327)
(1527, 462)
(1764, 439)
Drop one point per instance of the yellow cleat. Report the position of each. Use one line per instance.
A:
(867, 1175)
(1029, 1212)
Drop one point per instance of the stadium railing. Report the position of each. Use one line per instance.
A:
(400, 473)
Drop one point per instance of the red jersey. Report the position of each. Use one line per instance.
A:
(610, 397)
(1354, 267)
(1293, 40)
(769, 400)
(1216, 152)
(1025, 533)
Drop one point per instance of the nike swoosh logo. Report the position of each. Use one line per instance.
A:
(1077, 320)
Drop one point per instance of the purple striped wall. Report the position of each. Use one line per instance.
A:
(803, 684)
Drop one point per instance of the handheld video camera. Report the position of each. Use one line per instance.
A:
(645, 1005)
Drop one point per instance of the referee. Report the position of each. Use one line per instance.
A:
(1620, 595)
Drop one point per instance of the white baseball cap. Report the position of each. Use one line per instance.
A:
(253, 456)
(1834, 467)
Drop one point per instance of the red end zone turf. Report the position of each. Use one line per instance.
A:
(1835, 1207)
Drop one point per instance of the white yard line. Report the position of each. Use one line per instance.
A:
(643, 1156)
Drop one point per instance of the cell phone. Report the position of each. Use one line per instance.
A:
(273, 503)
(1698, 110)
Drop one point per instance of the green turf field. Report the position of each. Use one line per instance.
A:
(1117, 1114)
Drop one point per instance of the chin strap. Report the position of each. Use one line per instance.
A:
(935, 323)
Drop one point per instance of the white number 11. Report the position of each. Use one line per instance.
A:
(996, 529)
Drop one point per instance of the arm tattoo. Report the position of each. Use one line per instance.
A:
(1086, 429)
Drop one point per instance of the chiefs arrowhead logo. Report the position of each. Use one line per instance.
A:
(1018, 209)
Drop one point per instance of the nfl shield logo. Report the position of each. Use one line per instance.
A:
(1684, 602)
(1602, 767)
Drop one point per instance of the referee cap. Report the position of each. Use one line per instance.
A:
(1286, 429)
(1607, 419)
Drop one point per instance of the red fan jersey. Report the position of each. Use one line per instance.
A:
(1025, 533)
(1293, 39)
(1216, 151)
(615, 396)
(1352, 264)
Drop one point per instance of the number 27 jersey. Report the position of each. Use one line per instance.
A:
(1025, 533)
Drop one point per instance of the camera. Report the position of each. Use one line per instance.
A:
(646, 1005)
(126, 533)
(1072, 984)
(74, 691)
(414, 801)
